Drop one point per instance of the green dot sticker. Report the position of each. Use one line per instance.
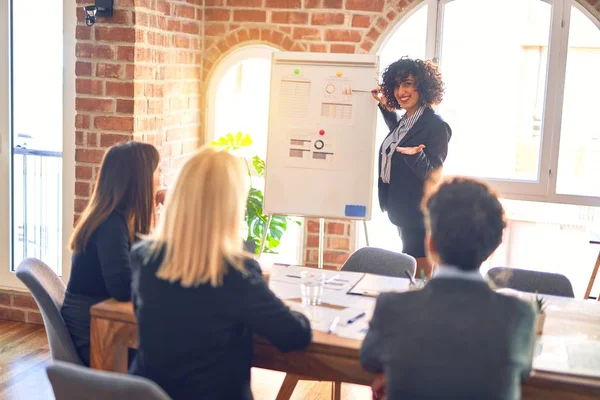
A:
(296, 71)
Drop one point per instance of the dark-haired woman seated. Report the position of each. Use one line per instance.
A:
(121, 206)
(415, 148)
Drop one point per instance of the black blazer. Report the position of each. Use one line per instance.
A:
(197, 343)
(454, 339)
(401, 198)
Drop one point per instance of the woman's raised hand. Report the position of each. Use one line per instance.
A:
(378, 95)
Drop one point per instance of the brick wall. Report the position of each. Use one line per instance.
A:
(18, 306)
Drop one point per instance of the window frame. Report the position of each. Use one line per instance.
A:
(544, 188)
(8, 279)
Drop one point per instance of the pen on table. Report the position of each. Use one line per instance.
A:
(423, 276)
(293, 276)
(332, 278)
(351, 320)
(410, 278)
(333, 324)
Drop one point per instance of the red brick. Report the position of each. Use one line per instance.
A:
(91, 139)
(307, 33)
(88, 50)
(392, 15)
(181, 42)
(83, 68)
(361, 21)
(193, 28)
(332, 4)
(335, 257)
(87, 104)
(289, 17)
(283, 3)
(121, 17)
(327, 19)
(125, 106)
(126, 53)
(342, 35)
(89, 155)
(164, 7)
(339, 243)
(382, 23)
(313, 4)
(342, 48)
(34, 318)
(373, 34)
(79, 206)
(83, 172)
(217, 14)
(188, 12)
(83, 32)
(213, 3)
(107, 140)
(11, 314)
(82, 189)
(82, 121)
(104, 70)
(367, 45)
(318, 48)
(335, 228)
(4, 299)
(121, 89)
(79, 138)
(312, 226)
(114, 34)
(249, 16)
(365, 5)
(24, 301)
(113, 124)
(312, 241)
(89, 86)
(214, 29)
(244, 3)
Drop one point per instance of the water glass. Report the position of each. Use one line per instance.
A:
(311, 287)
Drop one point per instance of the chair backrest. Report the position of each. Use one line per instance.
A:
(71, 382)
(530, 281)
(380, 262)
(48, 290)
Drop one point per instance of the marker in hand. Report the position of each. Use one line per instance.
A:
(410, 151)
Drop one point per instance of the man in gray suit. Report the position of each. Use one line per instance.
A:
(456, 338)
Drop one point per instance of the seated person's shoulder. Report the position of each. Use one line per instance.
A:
(515, 306)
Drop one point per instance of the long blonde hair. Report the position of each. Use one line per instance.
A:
(199, 232)
(125, 184)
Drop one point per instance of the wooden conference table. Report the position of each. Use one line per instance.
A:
(566, 364)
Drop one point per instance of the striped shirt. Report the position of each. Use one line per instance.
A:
(389, 144)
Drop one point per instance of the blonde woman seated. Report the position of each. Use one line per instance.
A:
(198, 297)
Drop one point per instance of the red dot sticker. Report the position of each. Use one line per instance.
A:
(321, 132)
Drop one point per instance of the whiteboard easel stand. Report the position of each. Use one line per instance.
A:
(321, 238)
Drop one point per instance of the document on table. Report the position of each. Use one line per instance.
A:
(373, 285)
(334, 280)
(352, 321)
(567, 355)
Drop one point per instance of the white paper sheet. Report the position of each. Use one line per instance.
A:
(373, 285)
(350, 325)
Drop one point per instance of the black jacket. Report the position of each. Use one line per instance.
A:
(454, 339)
(401, 198)
(197, 343)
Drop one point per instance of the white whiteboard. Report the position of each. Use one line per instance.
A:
(321, 140)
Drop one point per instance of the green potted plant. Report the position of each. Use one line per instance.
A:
(540, 308)
(240, 144)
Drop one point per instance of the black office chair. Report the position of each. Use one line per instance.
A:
(372, 260)
(530, 281)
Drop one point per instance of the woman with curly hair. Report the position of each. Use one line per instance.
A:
(415, 148)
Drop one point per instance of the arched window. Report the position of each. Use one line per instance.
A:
(238, 101)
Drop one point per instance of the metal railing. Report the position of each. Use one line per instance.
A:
(37, 205)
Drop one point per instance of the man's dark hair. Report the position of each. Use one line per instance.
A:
(465, 220)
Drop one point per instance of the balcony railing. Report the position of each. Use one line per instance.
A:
(37, 206)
